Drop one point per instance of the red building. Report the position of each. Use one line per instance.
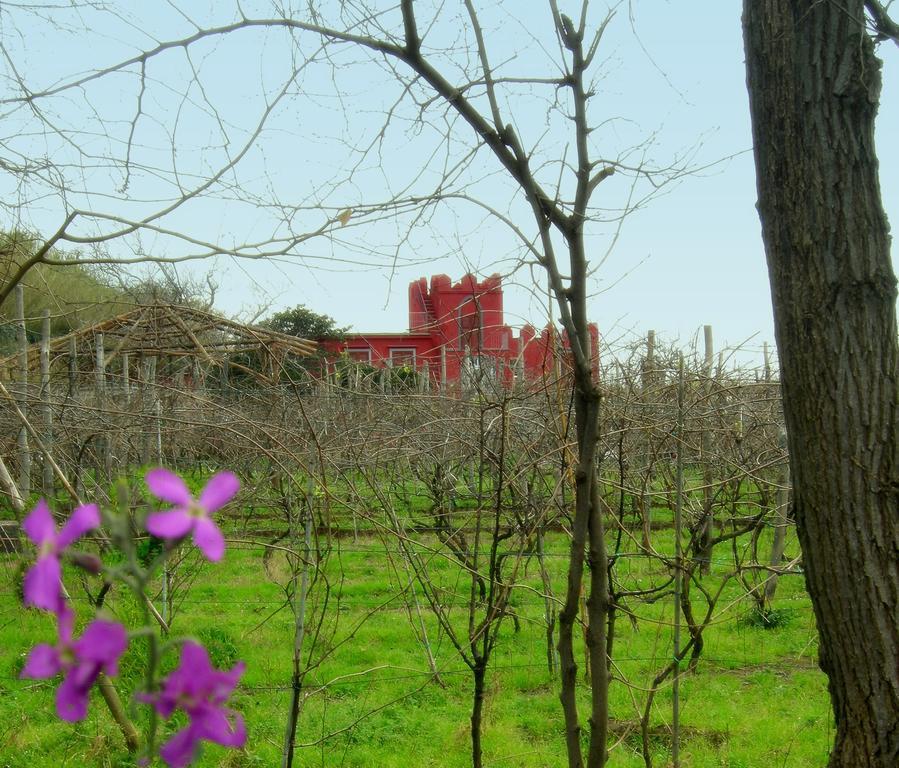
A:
(457, 332)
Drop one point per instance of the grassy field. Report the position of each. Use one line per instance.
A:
(757, 697)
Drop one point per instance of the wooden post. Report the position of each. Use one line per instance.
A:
(22, 395)
(646, 395)
(8, 486)
(126, 378)
(442, 368)
(103, 442)
(709, 350)
(649, 362)
(36, 438)
(73, 462)
(73, 365)
(767, 354)
(100, 367)
(678, 567)
(125, 457)
(705, 554)
(46, 406)
(157, 410)
(148, 382)
(197, 374)
(226, 371)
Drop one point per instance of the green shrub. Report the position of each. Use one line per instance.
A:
(775, 618)
(219, 643)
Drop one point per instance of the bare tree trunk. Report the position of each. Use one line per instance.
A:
(477, 712)
(549, 603)
(779, 543)
(299, 633)
(814, 86)
(597, 611)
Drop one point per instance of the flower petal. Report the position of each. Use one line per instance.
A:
(195, 661)
(179, 750)
(43, 586)
(225, 682)
(102, 642)
(213, 725)
(85, 518)
(72, 694)
(220, 489)
(163, 704)
(170, 525)
(209, 539)
(200, 690)
(166, 485)
(65, 620)
(43, 662)
(189, 679)
(39, 524)
(82, 675)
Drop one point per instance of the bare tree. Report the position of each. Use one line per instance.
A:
(814, 87)
(488, 543)
(471, 93)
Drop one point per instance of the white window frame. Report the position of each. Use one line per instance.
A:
(405, 350)
(355, 350)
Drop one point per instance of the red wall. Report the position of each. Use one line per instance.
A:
(451, 323)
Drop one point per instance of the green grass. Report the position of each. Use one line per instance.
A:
(757, 698)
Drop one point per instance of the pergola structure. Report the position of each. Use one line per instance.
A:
(173, 331)
(126, 390)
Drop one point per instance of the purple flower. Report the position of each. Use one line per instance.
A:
(201, 691)
(43, 582)
(191, 514)
(97, 650)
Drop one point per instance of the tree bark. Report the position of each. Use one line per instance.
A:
(814, 86)
(477, 712)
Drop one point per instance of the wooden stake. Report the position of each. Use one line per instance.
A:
(649, 362)
(709, 350)
(103, 442)
(22, 395)
(705, 450)
(46, 406)
(678, 568)
(148, 382)
(126, 378)
(11, 490)
(73, 365)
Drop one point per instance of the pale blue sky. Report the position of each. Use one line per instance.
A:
(674, 81)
